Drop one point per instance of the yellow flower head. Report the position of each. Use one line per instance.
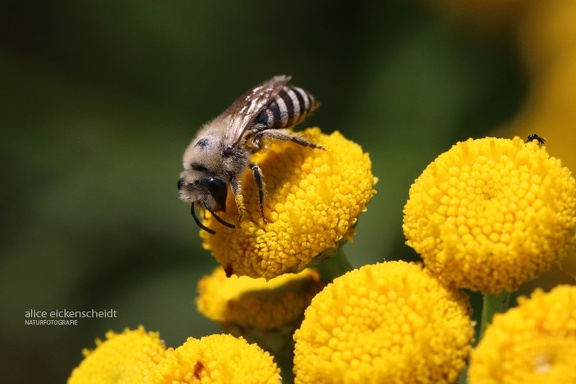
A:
(532, 343)
(313, 200)
(256, 304)
(216, 359)
(391, 322)
(491, 213)
(121, 358)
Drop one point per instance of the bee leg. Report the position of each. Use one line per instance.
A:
(259, 179)
(282, 134)
(237, 197)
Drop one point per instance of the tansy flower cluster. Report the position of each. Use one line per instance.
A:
(486, 215)
(490, 214)
(394, 321)
(313, 201)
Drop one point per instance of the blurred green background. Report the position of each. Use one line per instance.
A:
(99, 99)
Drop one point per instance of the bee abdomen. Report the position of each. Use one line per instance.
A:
(287, 109)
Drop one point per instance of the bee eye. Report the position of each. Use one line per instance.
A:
(180, 183)
(215, 186)
(218, 190)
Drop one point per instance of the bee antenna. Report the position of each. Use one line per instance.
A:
(202, 226)
(220, 220)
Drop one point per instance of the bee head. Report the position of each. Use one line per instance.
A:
(208, 191)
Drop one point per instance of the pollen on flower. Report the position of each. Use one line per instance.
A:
(532, 343)
(389, 322)
(121, 358)
(215, 359)
(490, 214)
(313, 200)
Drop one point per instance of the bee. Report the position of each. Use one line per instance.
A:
(541, 141)
(222, 148)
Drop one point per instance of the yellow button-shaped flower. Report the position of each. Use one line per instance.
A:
(391, 322)
(313, 200)
(490, 214)
(532, 343)
(216, 359)
(247, 303)
(124, 358)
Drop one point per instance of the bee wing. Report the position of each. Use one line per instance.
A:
(246, 108)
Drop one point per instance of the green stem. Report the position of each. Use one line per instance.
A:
(285, 361)
(492, 304)
(334, 266)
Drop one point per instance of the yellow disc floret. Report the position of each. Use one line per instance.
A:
(216, 359)
(532, 343)
(391, 322)
(124, 358)
(313, 200)
(491, 213)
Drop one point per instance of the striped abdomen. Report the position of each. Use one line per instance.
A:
(287, 109)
